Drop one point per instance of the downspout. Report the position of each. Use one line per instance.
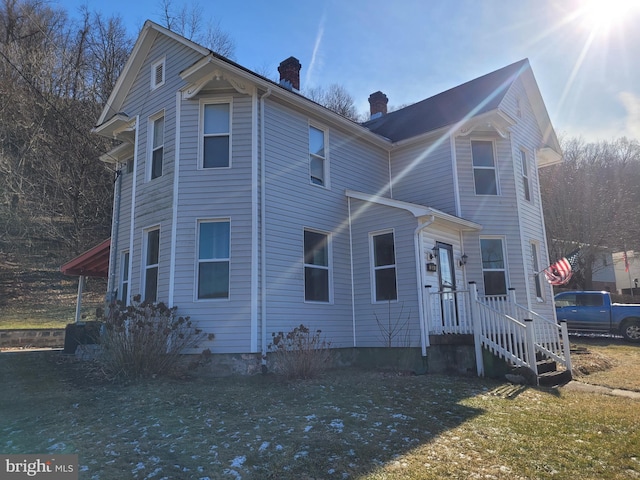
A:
(174, 217)
(353, 292)
(417, 242)
(263, 236)
(115, 230)
(133, 205)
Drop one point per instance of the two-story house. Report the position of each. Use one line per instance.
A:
(254, 209)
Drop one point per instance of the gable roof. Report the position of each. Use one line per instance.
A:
(92, 263)
(470, 99)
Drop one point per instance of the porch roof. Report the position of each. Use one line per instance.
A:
(418, 211)
(92, 263)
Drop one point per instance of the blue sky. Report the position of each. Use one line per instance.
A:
(585, 60)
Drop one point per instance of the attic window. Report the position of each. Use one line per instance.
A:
(157, 74)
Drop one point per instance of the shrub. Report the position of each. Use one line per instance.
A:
(300, 354)
(146, 339)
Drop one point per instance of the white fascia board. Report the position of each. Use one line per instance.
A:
(417, 211)
(119, 153)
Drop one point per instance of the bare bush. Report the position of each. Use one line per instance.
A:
(300, 353)
(146, 339)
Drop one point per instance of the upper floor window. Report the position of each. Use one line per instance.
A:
(157, 146)
(525, 175)
(484, 167)
(216, 144)
(384, 267)
(317, 156)
(214, 246)
(316, 266)
(494, 270)
(151, 264)
(157, 74)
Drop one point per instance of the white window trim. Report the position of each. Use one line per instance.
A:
(373, 268)
(145, 247)
(197, 260)
(125, 262)
(329, 266)
(213, 101)
(503, 241)
(326, 184)
(525, 164)
(154, 66)
(535, 267)
(150, 148)
(494, 168)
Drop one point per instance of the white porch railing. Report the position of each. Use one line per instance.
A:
(499, 324)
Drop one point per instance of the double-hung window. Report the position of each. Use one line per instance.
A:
(384, 267)
(525, 175)
(157, 146)
(317, 156)
(494, 271)
(151, 263)
(124, 278)
(216, 137)
(214, 246)
(316, 266)
(484, 167)
(535, 259)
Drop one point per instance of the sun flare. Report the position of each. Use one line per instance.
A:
(601, 16)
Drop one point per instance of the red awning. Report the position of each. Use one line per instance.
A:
(92, 263)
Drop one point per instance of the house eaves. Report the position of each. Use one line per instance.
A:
(148, 34)
(214, 65)
(418, 211)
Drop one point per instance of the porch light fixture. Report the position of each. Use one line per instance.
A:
(463, 260)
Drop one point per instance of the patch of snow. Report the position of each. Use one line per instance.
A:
(310, 417)
(56, 446)
(402, 416)
(337, 425)
(264, 446)
(238, 461)
(138, 467)
(236, 475)
(279, 448)
(307, 428)
(154, 473)
(300, 454)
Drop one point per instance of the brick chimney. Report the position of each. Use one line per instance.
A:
(290, 73)
(378, 104)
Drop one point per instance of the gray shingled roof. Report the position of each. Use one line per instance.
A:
(447, 108)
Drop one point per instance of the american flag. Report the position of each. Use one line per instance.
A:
(560, 272)
(626, 261)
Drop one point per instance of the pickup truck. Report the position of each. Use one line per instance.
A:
(593, 312)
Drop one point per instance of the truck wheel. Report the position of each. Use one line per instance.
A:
(631, 331)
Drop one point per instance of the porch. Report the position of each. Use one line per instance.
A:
(499, 325)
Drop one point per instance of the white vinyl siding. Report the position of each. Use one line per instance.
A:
(216, 135)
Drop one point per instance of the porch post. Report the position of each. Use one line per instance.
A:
(565, 345)
(512, 303)
(530, 347)
(79, 300)
(477, 328)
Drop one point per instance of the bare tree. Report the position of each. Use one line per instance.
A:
(335, 98)
(188, 20)
(592, 199)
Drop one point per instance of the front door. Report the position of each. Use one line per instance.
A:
(447, 284)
